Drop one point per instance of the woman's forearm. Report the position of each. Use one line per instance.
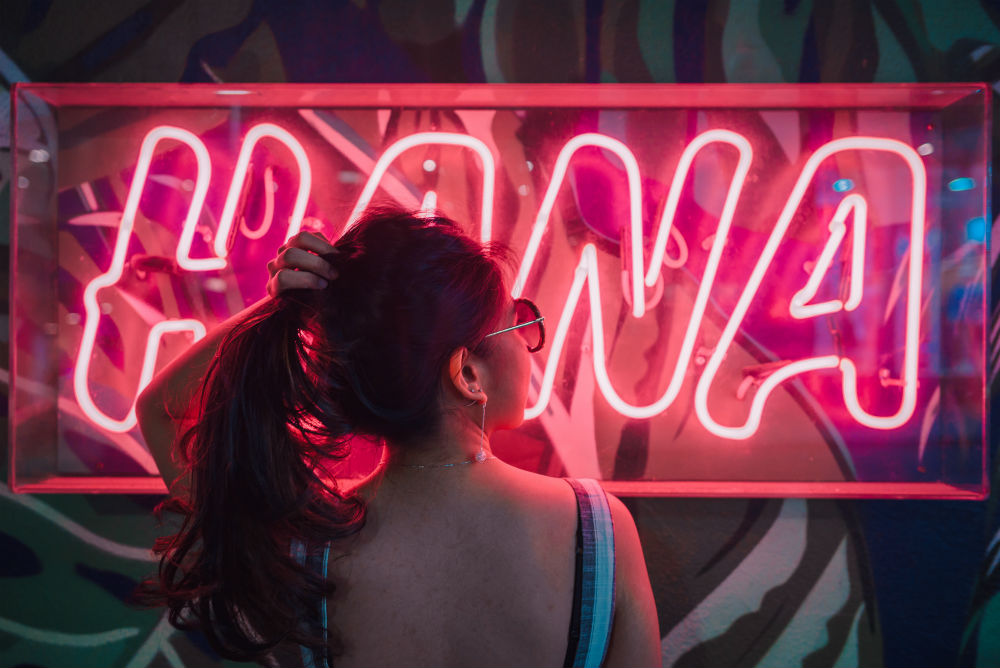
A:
(168, 400)
(172, 390)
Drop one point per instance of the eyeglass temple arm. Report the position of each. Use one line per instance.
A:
(523, 324)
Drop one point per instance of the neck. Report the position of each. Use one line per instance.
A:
(459, 441)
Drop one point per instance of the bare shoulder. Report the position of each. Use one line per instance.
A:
(543, 493)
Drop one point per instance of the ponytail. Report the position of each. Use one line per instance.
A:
(252, 460)
(288, 388)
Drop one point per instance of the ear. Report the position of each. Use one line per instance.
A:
(465, 376)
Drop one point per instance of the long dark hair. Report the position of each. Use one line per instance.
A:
(288, 389)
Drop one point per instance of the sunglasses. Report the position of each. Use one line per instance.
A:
(528, 323)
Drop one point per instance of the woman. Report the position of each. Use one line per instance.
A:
(403, 331)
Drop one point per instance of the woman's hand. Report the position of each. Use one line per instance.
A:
(165, 405)
(298, 264)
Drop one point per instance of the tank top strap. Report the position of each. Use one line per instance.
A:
(317, 562)
(594, 588)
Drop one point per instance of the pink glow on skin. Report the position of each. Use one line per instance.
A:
(430, 139)
(847, 367)
(156, 332)
(800, 307)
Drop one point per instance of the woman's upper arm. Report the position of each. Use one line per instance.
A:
(635, 636)
(159, 430)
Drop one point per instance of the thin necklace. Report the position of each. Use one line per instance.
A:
(480, 457)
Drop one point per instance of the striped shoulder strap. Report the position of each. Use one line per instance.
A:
(316, 562)
(594, 592)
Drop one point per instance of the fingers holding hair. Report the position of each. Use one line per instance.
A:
(299, 265)
(291, 279)
(310, 241)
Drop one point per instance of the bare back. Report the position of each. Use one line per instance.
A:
(461, 566)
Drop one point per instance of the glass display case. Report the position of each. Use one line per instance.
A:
(749, 290)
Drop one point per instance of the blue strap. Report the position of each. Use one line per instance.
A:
(594, 595)
(311, 658)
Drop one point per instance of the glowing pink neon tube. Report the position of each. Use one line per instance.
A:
(265, 224)
(430, 139)
(586, 270)
(365, 164)
(92, 311)
(847, 367)
(635, 212)
(800, 307)
(255, 134)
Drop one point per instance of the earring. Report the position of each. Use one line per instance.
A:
(474, 401)
(481, 455)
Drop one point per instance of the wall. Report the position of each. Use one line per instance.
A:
(738, 582)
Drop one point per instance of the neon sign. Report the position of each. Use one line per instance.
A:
(184, 259)
(671, 258)
(799, 308)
